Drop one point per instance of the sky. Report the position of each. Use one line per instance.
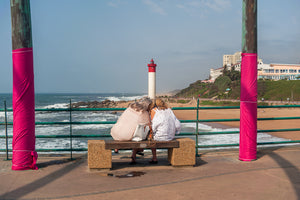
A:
(101, 46)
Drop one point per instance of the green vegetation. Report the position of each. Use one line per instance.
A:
(219, 103)
(227, 86)
(279, 90)
(183, 101)
(226, 103)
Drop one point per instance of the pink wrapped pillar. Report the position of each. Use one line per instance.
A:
(248, 97)
(248, 107)
(24, 155)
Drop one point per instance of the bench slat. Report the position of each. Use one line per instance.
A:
(113, 144)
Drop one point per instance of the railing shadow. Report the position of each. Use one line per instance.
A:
(292, 172)
(42, 182)
(53, 162)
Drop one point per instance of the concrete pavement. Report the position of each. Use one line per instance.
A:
(217, 175)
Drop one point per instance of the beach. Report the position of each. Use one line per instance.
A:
(261, 113)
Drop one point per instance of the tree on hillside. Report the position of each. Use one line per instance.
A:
(222, 83)
(233, 74)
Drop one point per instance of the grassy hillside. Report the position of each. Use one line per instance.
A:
(267, 89)
(277, 90)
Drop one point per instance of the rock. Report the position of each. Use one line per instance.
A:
(95, 104)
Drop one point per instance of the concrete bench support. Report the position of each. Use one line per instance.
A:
(181, 152)
(185, 155)
(98, 156)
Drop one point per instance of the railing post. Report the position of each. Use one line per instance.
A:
(197, 130)
(6, 135)
(71, 148)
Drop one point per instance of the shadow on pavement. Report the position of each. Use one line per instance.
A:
(22, 191)
(290, 170)
(53, 162)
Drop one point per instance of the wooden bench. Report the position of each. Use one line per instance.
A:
(181, 152)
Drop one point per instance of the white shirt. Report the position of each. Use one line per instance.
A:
(165, 125)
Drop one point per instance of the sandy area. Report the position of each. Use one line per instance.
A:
(235, 114)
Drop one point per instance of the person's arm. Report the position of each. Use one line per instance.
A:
(177, 124)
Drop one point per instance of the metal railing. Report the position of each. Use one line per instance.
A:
(195, 134)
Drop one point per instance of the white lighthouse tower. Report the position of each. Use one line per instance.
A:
(151, 80)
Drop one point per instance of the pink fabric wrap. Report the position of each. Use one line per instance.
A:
(24, 155)
(248, 107)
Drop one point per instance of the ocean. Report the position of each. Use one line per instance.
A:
(44, 101)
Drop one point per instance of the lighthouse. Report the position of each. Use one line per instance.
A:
(151, 80)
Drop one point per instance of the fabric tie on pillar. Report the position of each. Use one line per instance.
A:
(248, 107)
(24, 155)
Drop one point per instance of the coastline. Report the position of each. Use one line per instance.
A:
(235, 114)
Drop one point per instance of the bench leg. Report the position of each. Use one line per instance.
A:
(185, 155)
(98, 156)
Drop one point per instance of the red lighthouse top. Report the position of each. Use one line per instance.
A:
(151, 66)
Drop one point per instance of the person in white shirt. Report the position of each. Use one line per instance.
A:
(164, 124)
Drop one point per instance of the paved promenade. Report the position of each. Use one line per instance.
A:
(217, 175)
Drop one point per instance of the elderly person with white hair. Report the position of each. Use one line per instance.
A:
(137, 113)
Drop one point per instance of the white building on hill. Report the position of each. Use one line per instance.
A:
(215, 73)
(280, 71)
(265, 71)
(229, 60)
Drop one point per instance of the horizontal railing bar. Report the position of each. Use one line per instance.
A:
(182, 133)
(280, 106)
(278, 118)
(80, 149)
(278, 130)
(174, 108)
(72, 109)
(182, 121)
(43, 150)
(184, 108)
(8, 123)
(216, 145)
(197, 146)
(279, 142)
(98, 109)
(218, 120)
(237, 144)
(211, 133)
(73, 136)
(67, 123)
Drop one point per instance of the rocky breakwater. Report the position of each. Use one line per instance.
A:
(95, 104)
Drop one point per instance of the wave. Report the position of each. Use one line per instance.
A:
(219, 139)
(205, 127)
(57, 105)
(101, 98)
(124, 98)
(98, 127)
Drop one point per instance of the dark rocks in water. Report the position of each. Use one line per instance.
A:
(95, 104)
